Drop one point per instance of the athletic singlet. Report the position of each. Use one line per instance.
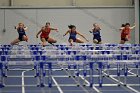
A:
(73, 35)
(125, 32)
(21, 31)
(45, 33)
(96, 34)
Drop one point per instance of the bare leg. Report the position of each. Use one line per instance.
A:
(100, 43)
(43, 41)
(71, 42)
(50, 40)
(95, 41)
(79, 41)
(122, 42)
(25, 38)
(15, 41)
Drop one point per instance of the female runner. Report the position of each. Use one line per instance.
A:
(73, 33)
(45, 32)
(21, 29)
(96, 34)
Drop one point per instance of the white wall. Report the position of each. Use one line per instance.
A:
(137, 34)
(42, 2)
(67, 2)
(1, 25)
(4, 2)
(103, 2)
(110, 20)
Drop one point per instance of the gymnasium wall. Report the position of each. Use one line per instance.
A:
(103, 2)
(67, 2)
(137, 15)
(4, 2)
(110, 20)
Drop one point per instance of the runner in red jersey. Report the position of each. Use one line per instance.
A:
(45, 31)
(125, 33)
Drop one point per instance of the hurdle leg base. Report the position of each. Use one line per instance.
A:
(119, 85)
(91, 85)
(108, 76)
(125, 85)
(4, 75)
(74, 76)
(84, 85)
(50, 85)
(1, 86)
(100, 85)
(41, 85)
(78, 85)
(36, 75)
(97, 69)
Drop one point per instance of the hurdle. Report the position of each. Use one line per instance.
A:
(84, 57)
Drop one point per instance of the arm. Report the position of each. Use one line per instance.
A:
(16, 27)
(91, 31)
(66, 33)
(82, 36)
(38, 33)
(121, 28)
(25, 28)
(133, 27)
(54, 29)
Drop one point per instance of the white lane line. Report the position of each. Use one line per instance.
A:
(23, 81)
(132, 73)
(136, 91)
(74, 79)
(122, 83)
(23, 85)
(59, 88)
(97, 90)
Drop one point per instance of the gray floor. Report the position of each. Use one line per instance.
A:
(68, 85)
